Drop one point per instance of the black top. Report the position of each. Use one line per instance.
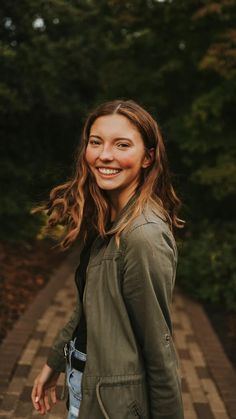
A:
(80, 278)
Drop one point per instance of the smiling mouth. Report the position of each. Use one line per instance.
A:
(105, 171)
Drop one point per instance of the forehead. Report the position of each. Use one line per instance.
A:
(114, 125)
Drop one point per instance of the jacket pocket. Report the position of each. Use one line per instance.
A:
(123, 397)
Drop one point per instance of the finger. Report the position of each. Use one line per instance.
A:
(53, 394)
(39, 405)
(42, 408)
(35, 396)
(46, 401)
(39, 400)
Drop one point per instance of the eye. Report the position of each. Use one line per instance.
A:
(123, 145)
(94, 142)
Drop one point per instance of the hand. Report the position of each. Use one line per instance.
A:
(44, 385)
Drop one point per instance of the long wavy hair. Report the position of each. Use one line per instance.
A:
(83, 208)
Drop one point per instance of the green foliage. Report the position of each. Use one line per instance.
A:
(48, 83)
(207, 264)
(58, 59)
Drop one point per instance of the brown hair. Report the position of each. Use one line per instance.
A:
(81, 206)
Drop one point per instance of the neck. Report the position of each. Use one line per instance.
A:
(119, 201)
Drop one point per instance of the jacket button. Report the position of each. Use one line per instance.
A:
(167, 337)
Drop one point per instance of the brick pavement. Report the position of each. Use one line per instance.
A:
(208, 379)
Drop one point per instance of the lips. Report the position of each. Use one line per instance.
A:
(108, 171)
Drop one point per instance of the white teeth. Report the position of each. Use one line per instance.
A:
(108, 171)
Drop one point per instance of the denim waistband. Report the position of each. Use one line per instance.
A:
(75, 358)
(75, 352)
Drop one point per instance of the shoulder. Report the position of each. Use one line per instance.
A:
(148, 230)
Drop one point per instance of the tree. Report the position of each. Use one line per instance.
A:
(58, 59)
(48, 83)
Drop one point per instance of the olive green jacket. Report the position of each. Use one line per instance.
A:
(132, 366)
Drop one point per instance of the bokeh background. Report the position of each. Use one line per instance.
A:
(177, 58)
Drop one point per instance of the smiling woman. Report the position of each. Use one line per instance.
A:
(117, 349)
(116, 154)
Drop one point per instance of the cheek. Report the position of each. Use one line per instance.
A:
(89, 156)
(130, 162)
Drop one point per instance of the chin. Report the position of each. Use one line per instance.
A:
(106, 188)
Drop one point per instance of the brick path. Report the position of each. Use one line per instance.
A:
(209, 380)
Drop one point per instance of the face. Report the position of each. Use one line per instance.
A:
(115, 154)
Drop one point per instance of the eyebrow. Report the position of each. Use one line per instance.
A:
(117, 138)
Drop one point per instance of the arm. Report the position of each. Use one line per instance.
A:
(44, 387)
(150, 259)
(56, 359)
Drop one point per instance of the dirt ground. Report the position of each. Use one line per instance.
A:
(24, 269)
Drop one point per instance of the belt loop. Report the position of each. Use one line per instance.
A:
(67, 353)
(66, 350)
(70, 354)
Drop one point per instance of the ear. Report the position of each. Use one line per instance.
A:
(149, 157)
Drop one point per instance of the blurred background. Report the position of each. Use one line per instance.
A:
(177, 58)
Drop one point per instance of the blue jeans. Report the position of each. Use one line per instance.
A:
(74, 378)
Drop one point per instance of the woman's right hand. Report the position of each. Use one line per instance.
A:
(44, 385)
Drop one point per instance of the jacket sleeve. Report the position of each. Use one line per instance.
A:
(56, 359)
(150, 258)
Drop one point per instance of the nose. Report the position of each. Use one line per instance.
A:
(106, 153)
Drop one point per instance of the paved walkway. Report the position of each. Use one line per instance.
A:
(209, 380)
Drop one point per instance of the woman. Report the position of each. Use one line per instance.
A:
(117, 348)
